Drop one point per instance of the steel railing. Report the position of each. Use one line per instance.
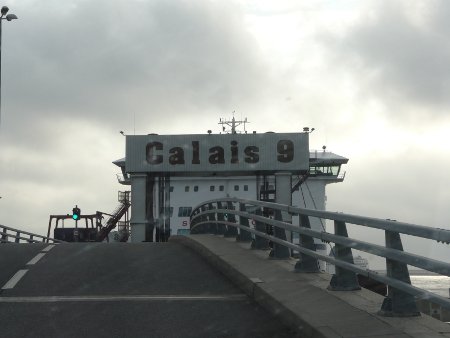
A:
(11, 235)
(219, 216)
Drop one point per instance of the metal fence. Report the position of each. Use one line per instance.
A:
(219, 217)
(11, 235)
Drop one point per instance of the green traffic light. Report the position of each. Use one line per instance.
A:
(76, 212)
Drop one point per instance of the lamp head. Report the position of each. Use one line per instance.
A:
(10, 17)
(4, 10)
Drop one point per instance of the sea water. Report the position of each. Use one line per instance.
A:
(439, 285)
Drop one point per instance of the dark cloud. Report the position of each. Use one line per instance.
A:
(100, 62)
(400, 59)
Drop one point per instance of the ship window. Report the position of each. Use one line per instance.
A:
(195, 188)
(184, 211)
(335, 169)
(212, 188)
(245, 187)
(325, 170)
(236, 188)
(221, 187)
(171, 189)
(186, 188)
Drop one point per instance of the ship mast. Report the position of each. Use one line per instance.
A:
(232, 124)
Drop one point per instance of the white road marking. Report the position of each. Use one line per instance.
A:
(36, 259)
(54, 299)
(14, 279)
(47, 249)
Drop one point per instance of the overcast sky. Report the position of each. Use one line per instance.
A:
(372, 77)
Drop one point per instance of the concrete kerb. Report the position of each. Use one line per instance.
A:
(292, 297)
(247, 285)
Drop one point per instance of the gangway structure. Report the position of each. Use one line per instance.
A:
(94, 232)
(114, 219)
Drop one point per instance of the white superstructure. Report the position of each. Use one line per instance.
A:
(181, 194)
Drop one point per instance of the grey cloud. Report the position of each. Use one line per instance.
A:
(99, 62)
(408, 187)
(396, 59)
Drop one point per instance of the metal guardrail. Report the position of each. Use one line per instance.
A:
(7, 233)
(219, 216)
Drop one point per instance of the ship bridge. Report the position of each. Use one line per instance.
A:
(326, 164)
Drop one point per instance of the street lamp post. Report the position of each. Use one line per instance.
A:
(8, 17)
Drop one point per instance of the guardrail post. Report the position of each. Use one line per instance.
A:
(4, 235)
(343, 280)
(221, 228)
(205, 227)
(279, 251)
(212, 218)
(260, 243)
(231, 230)
(244, 236)
(306, 263)
(17, 237)
(30, 240)
(397, 303)
(195, 219)
(283, 195)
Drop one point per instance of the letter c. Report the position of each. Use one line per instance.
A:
(152, 158)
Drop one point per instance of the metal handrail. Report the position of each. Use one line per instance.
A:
(440, 235)
(18, 236)
(407, 258)
(205, 214)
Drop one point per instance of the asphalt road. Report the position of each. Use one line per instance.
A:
(122, 290)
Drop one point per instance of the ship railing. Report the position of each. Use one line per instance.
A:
(11, 235)
(219, 216)
(124, 196)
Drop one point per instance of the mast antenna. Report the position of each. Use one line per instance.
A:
(232, 125)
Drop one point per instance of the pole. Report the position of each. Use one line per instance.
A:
(8, 17)
(1, 20)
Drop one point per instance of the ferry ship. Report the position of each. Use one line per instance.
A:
(359, 261)
(174, 198)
